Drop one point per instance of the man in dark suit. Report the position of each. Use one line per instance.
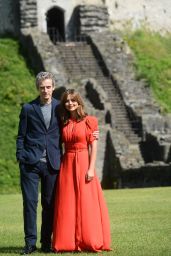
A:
(38, 153)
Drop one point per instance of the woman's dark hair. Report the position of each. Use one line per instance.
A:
(64, 113)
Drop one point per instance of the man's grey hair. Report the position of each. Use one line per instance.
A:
(41, 76)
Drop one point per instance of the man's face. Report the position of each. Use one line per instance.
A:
(45, 90)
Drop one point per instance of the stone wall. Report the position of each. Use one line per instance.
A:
(123, 14)
(28, 13)
(92, 18)
(88, 2)
(155, 14)
(43, 6)
(95, 16)
(9, 17)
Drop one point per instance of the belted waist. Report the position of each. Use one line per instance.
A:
(73, 149)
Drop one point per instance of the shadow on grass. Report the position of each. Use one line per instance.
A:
(18, 250)
(14, 250)
(10, 249)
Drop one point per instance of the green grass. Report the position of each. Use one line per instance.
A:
(153, 62)
(140, 223)
(17, 87)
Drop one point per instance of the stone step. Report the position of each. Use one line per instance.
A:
(80, 62)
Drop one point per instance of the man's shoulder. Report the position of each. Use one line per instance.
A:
(28, 105)
(55, 101)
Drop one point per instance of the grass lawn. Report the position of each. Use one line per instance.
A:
(153, 63)
(140, 223)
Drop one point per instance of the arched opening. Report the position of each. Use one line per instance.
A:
(108, 118)
(56, 24)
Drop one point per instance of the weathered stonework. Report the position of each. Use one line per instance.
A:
(123, 14)
(28, 13)
(156, 128)
(132, 14)
(9, 17)
(92, 18)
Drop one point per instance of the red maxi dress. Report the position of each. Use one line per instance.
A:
(81, 221)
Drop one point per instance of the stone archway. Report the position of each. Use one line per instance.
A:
(56, 24)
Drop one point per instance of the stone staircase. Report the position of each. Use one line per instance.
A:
(119, 112)
(80, 63)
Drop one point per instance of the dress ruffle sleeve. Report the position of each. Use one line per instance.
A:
(92, 125)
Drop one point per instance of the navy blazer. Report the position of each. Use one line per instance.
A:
(33, 136)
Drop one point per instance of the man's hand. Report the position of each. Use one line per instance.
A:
(96, 134)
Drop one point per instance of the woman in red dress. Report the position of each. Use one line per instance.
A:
(81, 221)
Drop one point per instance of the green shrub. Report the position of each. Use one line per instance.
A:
(17, 87)
(153, 63)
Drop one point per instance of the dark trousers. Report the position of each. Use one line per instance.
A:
(30, 176)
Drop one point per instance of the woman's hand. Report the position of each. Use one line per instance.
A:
(96, 134)
(89, 175)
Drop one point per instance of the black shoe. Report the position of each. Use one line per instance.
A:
(28, 249)
(46, 249)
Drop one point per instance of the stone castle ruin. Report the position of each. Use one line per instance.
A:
(77, 41)
(122, 14)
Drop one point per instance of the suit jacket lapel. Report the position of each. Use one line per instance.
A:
(36, 105)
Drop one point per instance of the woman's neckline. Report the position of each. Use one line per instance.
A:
(73, 119)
